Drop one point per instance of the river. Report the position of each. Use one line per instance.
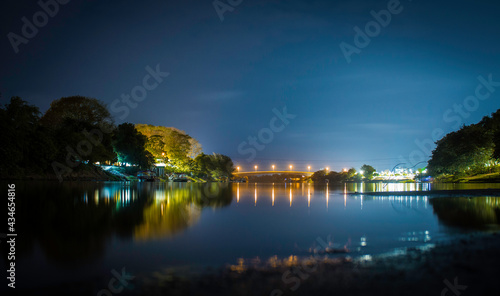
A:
(78, 231)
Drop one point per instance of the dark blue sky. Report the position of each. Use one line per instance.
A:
(226, 77)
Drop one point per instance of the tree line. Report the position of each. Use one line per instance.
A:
(366, 173)
(472, 149)
(77, 132)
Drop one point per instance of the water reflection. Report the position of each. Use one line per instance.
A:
(72, 221)
(467, 212)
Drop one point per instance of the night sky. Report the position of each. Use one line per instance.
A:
(229, 70)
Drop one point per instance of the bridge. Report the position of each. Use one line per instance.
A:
(272, 172)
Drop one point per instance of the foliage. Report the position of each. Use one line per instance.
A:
(171, 145)
(129, 146)
(79, 109)
(472, 149)
(216, 167)
(26, 144)
(79, 130)
(368, 171)
(70, 119)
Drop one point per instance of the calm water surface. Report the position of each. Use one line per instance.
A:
(77, 231)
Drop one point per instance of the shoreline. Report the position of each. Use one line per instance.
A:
(471, 259)
(450, 192)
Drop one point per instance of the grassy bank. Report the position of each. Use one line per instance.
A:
(476, 178)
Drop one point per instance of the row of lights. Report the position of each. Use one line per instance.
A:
(291, 167)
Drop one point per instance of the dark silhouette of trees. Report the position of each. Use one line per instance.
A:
(130, 146)
(79, 109)
(472, 149)
(216, 167)
(25, 144)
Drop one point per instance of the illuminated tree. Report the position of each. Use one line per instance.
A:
(368, 171)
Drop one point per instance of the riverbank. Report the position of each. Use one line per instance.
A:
(478, 178)
(80, 173)
(470, 263)
(453, 192)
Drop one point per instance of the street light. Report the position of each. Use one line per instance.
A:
(291, 166)
(256, 168)
(327, 169)
(273, 167)
(308, 168)
(238, 168)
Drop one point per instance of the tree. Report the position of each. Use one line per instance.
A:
(368, 171)
(80, 109)
(469, 149)
(216, 167)
(25, 143)
(351, 172)
(172, 145)
(130, 146)
(71, 120)
(319, 176)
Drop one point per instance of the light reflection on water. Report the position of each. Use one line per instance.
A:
(88, 228)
